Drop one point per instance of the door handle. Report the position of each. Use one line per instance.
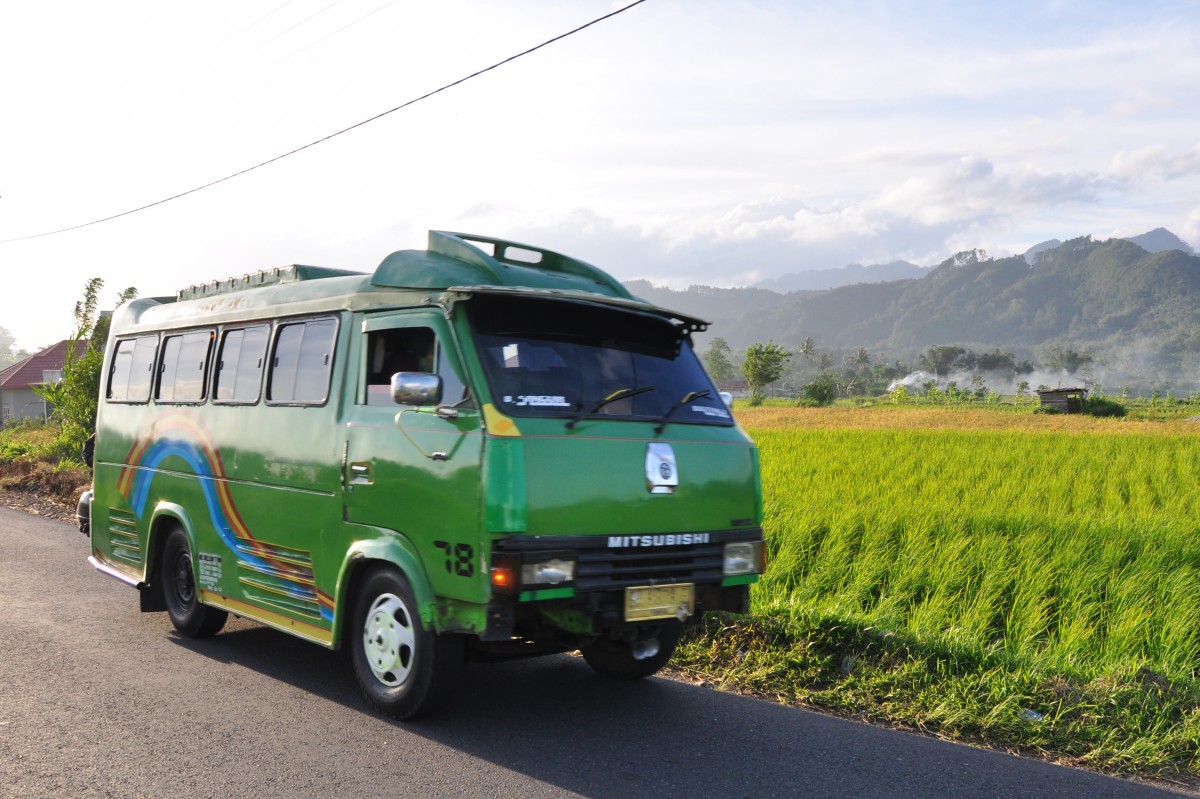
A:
(361, 474)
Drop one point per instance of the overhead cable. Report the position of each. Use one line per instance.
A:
(339, 30)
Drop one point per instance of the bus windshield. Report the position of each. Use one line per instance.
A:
(553, 358)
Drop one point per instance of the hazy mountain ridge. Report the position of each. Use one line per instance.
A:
(1161, 239)
(820, 279)
(1114, 298)
(1156, 240)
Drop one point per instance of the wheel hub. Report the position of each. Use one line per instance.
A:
(389, 639)
(184, 586)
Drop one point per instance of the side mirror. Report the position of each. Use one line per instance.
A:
(416, 388)
(727, 398)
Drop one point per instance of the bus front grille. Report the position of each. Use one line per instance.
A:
(602, 569)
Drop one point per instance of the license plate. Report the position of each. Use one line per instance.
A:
(646, 602)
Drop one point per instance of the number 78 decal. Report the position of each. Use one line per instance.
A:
(460, 558)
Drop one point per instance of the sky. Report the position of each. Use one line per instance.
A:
(716, 142)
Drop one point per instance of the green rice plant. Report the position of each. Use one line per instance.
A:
(1033, 567)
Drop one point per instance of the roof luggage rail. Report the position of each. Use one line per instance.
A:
(263, 277)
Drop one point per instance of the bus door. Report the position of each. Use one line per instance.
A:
(415, 469)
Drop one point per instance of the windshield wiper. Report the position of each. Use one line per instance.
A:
(619, 394)
(691, 396)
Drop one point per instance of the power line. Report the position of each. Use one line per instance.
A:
(233, 36)
(339, 30)
(413, 101)
(301, 22)
(255, 22)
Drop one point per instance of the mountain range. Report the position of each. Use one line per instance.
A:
(1133, 304)
(1155, 240)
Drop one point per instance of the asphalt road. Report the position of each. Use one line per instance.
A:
(99, 700)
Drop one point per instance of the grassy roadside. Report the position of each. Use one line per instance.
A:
(36, 474)
(1138, 724)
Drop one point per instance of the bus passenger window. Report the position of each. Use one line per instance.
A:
(240, 365)
(302, 363)
(131, 370)
(184, 366)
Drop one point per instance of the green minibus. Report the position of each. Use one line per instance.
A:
(483, 449)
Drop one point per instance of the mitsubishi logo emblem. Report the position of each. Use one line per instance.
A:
(662, 473)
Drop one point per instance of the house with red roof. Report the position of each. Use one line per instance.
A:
(17, 397)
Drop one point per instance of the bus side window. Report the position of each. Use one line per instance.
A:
(240, 365)
(409, 349)
(302, 362)
(184, 367)
(404, 349)
(129, 377)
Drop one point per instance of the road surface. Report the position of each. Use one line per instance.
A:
(99, 700)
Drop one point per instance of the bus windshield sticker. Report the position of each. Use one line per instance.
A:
(538, 401)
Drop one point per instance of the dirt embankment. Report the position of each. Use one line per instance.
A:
(41, 489)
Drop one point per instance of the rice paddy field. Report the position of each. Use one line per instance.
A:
(1028, 581)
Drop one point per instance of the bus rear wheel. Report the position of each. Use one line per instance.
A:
(632, 660)
(403, 668)
(191, 618)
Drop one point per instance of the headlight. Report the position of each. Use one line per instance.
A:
(549, 572)
(744, 557)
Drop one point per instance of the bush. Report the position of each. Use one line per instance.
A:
(819, 393)
(29, 439)
(1103, 406)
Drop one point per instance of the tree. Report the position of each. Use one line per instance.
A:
(7, 355)
(939, 359)
(716, 360)
(996, 361)
(76, 396)
(860, 360)
(1067, 360)
(763, 365)
(807, 348)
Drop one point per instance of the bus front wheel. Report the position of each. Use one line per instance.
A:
(403, 668)
(191, 618)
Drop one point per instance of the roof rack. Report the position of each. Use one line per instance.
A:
(264, 277)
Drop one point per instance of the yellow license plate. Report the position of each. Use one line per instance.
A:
(646, 602)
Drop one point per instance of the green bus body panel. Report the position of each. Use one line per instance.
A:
(504, 485)
(264, 507)
(284, 505)
(593, 480)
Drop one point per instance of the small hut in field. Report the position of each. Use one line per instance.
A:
(1067, 400)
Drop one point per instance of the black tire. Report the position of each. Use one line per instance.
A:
(177, 575)
(614, 658)
(403, 668)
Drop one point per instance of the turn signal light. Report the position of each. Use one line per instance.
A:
(503, 578)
